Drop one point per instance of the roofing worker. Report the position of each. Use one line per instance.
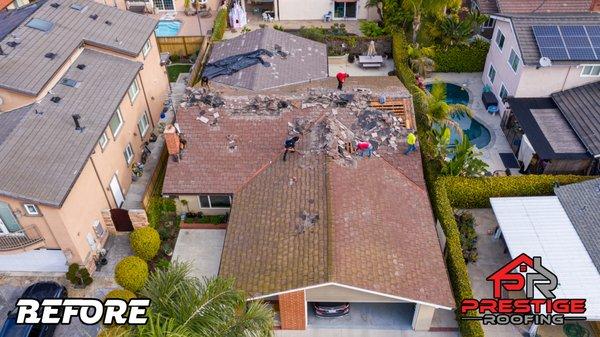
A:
(290, 146)
(365, 148)
(341, 77)
(411, 140)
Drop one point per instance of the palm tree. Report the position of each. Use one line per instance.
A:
(455, 31)
(418, 8)
(422, 66)
(466, 161)
(439, 111)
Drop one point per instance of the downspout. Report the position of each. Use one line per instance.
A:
(147, 104)
(100, 181)
(566, 77)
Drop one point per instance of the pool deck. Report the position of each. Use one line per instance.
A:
(474, 85)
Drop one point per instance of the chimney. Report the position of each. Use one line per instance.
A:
(595, 7)
(78, 126)
(172, 140)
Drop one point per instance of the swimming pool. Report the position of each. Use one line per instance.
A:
(454, 94)
(167, 28)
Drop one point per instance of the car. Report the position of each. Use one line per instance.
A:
(38, 291)
(330, 309)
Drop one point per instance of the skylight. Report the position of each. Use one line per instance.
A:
(39, 24)
(78, 7)
(69, 82)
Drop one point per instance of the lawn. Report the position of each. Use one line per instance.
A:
(176, 69)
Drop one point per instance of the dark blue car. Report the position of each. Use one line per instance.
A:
(38, 291)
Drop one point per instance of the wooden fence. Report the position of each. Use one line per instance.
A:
(200, 61)
(180, 45)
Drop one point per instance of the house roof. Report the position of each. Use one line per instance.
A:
(580, 107)
(523, 23)
(12, 18)
(306, 60)
(488, 6)
(9, 121)
(539, 226)
(44, 149)
(581, 201)
(543, 6)
(547, 129)
(26, 69)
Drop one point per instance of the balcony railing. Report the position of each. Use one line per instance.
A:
(23, 238)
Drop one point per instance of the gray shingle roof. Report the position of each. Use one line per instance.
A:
(43, 157)
(10, 120)
(581, 201)
(26, 70)
(307, 60)
(581, 108)
(522, 25)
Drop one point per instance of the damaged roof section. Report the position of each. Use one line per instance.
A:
(294, 60)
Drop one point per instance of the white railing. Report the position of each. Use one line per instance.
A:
(22, 238)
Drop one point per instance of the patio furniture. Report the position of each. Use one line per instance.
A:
(366, 61)
(268, 16)
(488, 98)
(328, 17)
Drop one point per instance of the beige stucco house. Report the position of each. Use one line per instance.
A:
(81, 89)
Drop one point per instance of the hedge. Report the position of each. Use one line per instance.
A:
(476, 192)
(220, 25)
(122, 294)
(157, 208)
(461, 59)
(145, 242)
(131, 273)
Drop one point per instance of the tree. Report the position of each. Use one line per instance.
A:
(465, 160)
(377, 4)
(455, 31)
(420, 60)
(419, 8)
(439, 111)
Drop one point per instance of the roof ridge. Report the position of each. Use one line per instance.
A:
(403, 174)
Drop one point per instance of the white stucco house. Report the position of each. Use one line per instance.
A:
(314, 9)
(518, 66)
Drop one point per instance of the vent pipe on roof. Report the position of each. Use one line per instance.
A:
(55, 5)
(55, 99)
(78, 126)
(50, 56)
(81, 66)
(12, 44)
(94, 16)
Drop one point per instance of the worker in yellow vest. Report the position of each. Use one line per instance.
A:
(411, 140)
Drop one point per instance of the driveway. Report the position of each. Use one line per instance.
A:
(202, 249)
(390, 316)
(364, 333)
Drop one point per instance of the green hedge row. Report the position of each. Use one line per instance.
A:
(476, 192)
(157, 208)
(457, 268)
(220, 25)
(462, 59)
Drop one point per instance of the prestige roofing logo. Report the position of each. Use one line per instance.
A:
(528, 274)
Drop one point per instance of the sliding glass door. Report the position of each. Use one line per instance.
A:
(344, 9)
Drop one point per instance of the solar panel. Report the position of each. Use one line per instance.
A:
(40, 24)
(573, 31)
(577, 41)
(581, 54)
(546, 31)
(550, 42)
(563, 43)
(555, 53)
(593, 30)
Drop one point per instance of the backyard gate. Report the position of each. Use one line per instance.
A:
(121, 220)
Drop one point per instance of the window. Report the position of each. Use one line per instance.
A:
(8, 222)
(146, 48)
(492, 73)
(116, 123)
(513, 60)
(31, 209)
(490, 24)
(590, 71)
(143, 124)
(500, 39)
(133, 91)
(128, 153)
(103, 140)
(215, 201)
(503, 92)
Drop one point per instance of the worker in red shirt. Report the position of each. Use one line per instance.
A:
(341, 77)
(364, 148)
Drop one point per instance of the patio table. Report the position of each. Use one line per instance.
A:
(370, 61)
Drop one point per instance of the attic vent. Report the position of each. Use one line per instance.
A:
(55, 99)
(50, 56)
(55, 5)
(69, 82)
(37, 112)
(108, 23)
(12, 44)
(78, 7)
(81, 66)
(94, 16)
(39, 24)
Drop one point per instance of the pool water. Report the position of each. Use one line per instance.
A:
(167, 28)
(478, 134)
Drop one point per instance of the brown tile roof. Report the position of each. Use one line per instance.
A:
(543, 6)
(487, 6)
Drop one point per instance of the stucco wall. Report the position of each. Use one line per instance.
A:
(544, 81)
(300, 10)
(193, 205)
(333, 293)
(40, 222)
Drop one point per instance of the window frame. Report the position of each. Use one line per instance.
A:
(116, 132)
(128, 153)
(517, 58)
(492, 78)
(591, 67)
(35, 212)
(491, 24)
(146, 48)
(101, 143)
(145, 118)
(503, 88)
(133, 96)
(500, 35)
(210, 206)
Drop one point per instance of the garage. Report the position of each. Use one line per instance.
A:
(362, 315)
(38, 261)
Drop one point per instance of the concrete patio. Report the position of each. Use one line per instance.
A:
(340, 64)
(202, 249)
(255, 22)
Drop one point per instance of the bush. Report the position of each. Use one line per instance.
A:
(461, 59)
(145, 242)
(123, 294)
(468, 236)
(220, 25)
(476, 192)
(115, 331)
(79, 276)
(371, 29)
(131, 273)
(158, 210)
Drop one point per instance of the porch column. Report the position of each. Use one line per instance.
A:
(292, 310)
(422, 317)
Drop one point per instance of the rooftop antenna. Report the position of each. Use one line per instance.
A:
(78, 126)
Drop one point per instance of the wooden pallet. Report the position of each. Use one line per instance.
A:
(395, 106)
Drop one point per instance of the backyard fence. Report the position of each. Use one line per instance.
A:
(180, 45)
(200, 61)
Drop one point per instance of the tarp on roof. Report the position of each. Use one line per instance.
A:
(232, 64)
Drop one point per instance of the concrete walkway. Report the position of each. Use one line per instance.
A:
(202, 249)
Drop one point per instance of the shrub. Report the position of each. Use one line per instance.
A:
(371, 29)
(145, 242)
(131, 273)
(468, 236)
(159, 209)
(123, 294)
(461, 59)
(220, 25)
(115, 331)
(79, 276)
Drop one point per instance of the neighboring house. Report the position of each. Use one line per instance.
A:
(81, 87)
(12, 4)
(564, 231)
(518, 66)
(316, 9)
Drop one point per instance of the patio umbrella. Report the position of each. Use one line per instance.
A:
(371, 51)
